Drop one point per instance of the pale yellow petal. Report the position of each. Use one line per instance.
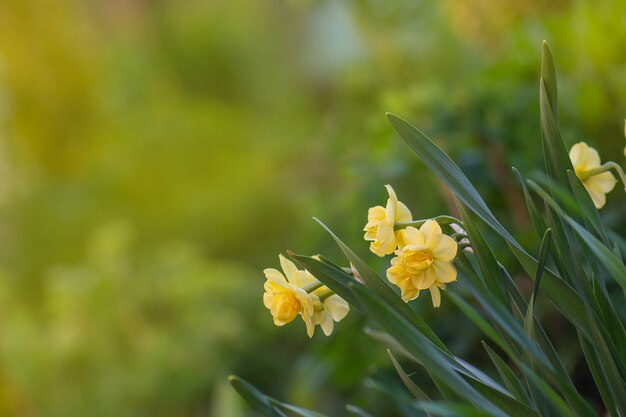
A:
(327, 324)
(598, 197)
(409, 236)
(446, 248)
(435, 295)
(375, 214)
(584, 157)
(370, 234)
(403, 214)
(306, 300)
(424, 279)
(289, 268)
(267, 300)
(274, 275)
(385, 242)
(395, 273)
(337, 307)
(445, 272)
(392, 204)
(430, 229)
(303, 278)
(310, 326)
(603, 182)
(410, 294)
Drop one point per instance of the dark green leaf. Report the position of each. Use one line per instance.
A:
(255, 398)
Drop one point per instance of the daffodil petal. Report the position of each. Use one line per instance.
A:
(410, 294)
(337, 307)
(446, 248)
(430, 229)
(424, 279)
(584, 157)
(445, 272)
(598, 197)
(289, 268)
(435, 295)
(267, 300)
(409, 236)
(327, 324)
(603, 182)
(403, 214)
(392, 203)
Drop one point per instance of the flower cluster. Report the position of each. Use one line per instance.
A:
(424, 256)
(297, 292)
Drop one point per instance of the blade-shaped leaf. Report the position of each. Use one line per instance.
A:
(255, 398)
(560, 293)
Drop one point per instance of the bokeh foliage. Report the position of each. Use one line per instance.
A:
(155, 156)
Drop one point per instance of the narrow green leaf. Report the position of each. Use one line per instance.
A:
(303, 412)
(447, 409)
(353, 409)
(548, 74)
(255, 398)
(408, 383)
(487, 261)
(511, 380)
(529, 321)
(535, 217)
(585, 203)
(434, 360)
(555, 400)
(606, 256)
(335, 279)
(557, 159)
(560, 293)
(471, 313)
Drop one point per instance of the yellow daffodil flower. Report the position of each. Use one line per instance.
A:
(288, 297)
(584, 159)
(381, 221)
(423, 261)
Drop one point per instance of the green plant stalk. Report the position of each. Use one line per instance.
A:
(607, 166)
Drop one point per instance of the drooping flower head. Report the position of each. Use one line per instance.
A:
(300, 293)
(381, 222)
(584, 158)
(423, 261)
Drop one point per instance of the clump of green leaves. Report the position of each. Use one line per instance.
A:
(578, 265)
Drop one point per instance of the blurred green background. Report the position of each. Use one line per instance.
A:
(155, 156)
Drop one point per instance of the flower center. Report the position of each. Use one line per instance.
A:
(285, 307)
(418, 258)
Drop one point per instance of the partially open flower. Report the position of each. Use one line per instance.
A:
(423, 261)
(381, 222)
(585, 159)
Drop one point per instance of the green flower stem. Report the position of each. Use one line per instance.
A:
(312, 286)
(440, 219)
(324, 294)
(603, 168)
